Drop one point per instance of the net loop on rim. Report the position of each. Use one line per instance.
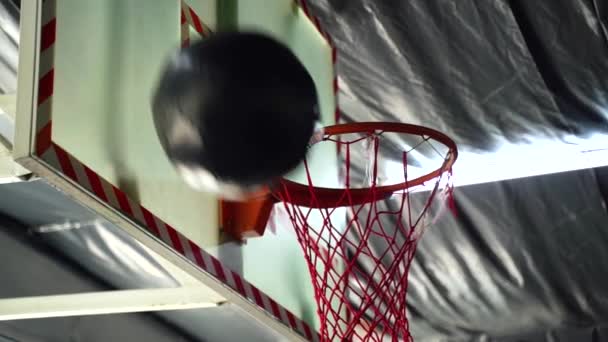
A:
(359, 241)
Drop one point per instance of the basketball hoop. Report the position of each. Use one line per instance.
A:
(359, 256)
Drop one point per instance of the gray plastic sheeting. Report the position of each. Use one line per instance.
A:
(524, 259)
(9, 36)
(481, 71)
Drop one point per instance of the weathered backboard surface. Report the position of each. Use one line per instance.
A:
(84, 123)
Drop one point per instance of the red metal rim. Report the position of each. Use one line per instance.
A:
(299, 194)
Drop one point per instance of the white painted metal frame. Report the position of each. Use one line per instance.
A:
(108, 302)
(145, 300)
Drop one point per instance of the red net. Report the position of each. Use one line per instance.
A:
(359, 241)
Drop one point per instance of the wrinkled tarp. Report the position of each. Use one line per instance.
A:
(476, 70)
(524, 259)
(521, 257)
(9, 36)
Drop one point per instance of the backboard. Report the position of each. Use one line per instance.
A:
(84, 124)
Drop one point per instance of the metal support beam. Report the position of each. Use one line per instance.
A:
(109, 302)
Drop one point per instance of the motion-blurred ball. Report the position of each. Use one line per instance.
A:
(234, 112)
